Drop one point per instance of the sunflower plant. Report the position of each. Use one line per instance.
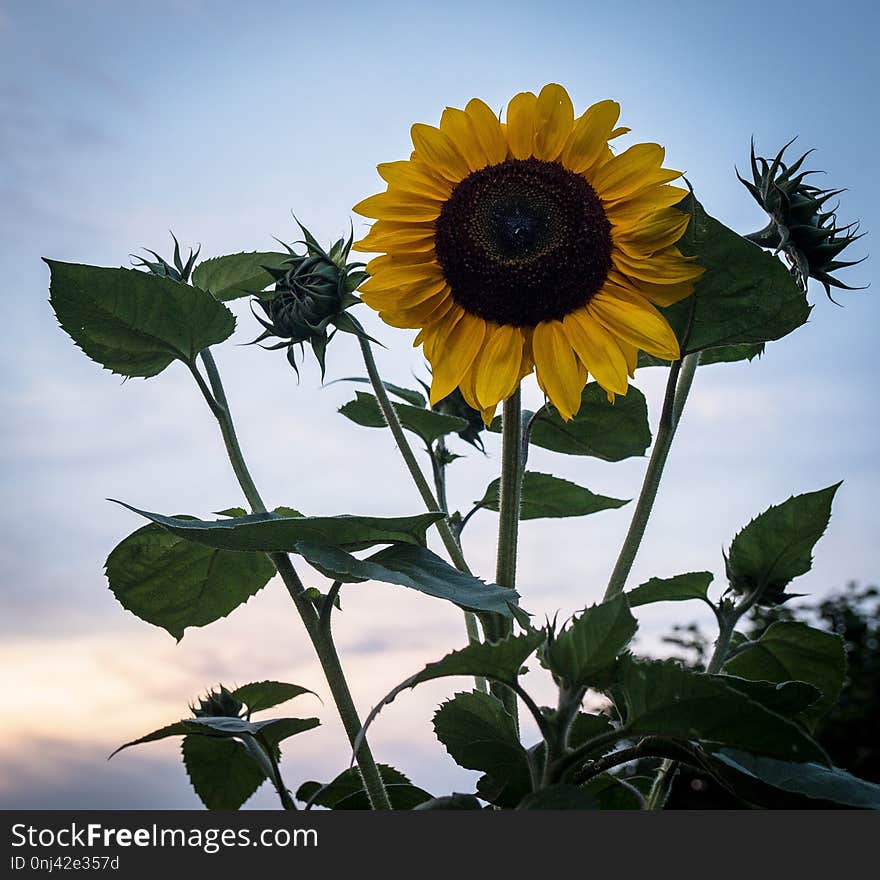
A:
(520, 244)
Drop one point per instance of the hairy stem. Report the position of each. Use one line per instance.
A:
(678, 385)
(450, 542)
(320, 637)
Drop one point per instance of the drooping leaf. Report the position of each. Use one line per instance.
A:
(610, 431)
(777, 546)
(174, 583)
(415, 567)
(133, 323)
(274, 533)
(662, 698)
(236, 275)
(496, 661)
(793, 651)
(221, 771)
(544, 495)
(347, 792)
(480, 734)
(693, 585)
(745, 296)
(261, 695)
(809, 779)
(584, 654)
(407, 395)
(429, 425)
(560, 797)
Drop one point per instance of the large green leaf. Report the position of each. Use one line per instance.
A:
(662, 698)
(236, 275)
(429, 425)
(221, 771)
(496, 661)
(261, 695)
(584, 654)
(787, 698)
(480, 734)
(275, 533)
(809, 779)
(560, 797)
(174, 583)
(347, 792)
(793, 651)
(415, 567)
(133, 323)
(544, 495)
(746, 295)
(692, 585)
(612, 793)
(723, 354)
(777, 546)
(610, 431)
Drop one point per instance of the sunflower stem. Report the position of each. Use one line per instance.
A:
(450, 542)
(319, 635)
(678, 385)
(510, 498)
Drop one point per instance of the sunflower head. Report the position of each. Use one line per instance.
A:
(528, 245)
(801, 225)
(309, 301)
(218, 704)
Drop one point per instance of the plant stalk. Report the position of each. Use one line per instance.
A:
(321, 638)
(678, 385)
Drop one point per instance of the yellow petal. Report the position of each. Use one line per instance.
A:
(597, 350)
(399, 205)
(631, 209)
(589, 139)
(437, 150)
(378, 239)
(424, 316)
(521, 125)
(654, 233)
(387, 273)
(664, 294)
(498, 370)
(415, 178)
(554, 118)
(460, 129)
(453, 357)
(666, 266)
(630, 316)
(560, 373)
(435, 336)
(403, 297)
(632, 171)
(488, 130)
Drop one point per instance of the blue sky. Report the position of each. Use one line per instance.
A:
(120, 120)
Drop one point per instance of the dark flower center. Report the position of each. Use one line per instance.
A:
(522, 242)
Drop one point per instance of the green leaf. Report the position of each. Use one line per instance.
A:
(792, 651)
(723, 354)
(787, 698)
(693, 585)
(347, 792)
(407, 395)
(429, 425)
(415, 567)
(133, 323)
(662, 698)
(559, 797)
(455, 801)
(808, 779)
(612, 794)
(496, 661)
(274, 730)
(174, 583)
(544, 495)
(480, 734)
(777, 546)
(261, 695)
(236, 275)
(221, 771)
(274, 533)
(587, 727)
(585, 652)
(610, 431)
(746, 295)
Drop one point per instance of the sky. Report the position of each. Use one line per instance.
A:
(120, 121)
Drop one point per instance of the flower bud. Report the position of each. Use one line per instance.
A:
(216, 704)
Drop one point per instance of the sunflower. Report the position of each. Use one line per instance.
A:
(528, 245)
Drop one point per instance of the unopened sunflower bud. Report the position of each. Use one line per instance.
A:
(218, 704)
(801, 225)
(176, 271)
(308, 304)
